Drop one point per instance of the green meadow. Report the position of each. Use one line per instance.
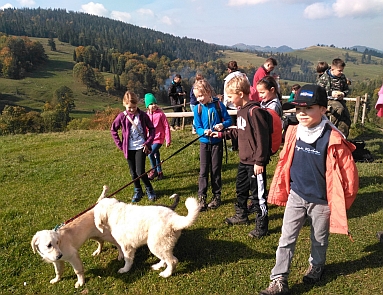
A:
(49, 178)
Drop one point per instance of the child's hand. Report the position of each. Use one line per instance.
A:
(258, 169)
(218, 127)
(216, 134)
(207, 132)
(167, 144)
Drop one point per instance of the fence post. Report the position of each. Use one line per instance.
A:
(364, 107)
(183, 118)
(357, 107)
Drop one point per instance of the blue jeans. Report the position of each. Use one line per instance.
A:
(154, 157)
(296, 212)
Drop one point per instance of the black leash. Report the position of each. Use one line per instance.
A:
(120, 189)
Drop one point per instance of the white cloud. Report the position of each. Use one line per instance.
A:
(5, 6)
(122, 16)
(166, 20)
(357, 8)
(146, 12)
(317, 11)
(246, 2)
(95, 9)
(26, 3)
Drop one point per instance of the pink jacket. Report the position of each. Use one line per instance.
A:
(342, 181)
(379, 103)
(161, 126)
(259, 74)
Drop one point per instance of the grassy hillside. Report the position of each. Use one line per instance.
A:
(38, 87)
(49, 178)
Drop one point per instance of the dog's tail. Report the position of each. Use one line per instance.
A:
(181, 222)
(105, 189)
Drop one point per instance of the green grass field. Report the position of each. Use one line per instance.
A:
(49, 178)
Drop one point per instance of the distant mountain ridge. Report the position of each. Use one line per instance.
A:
(280, 49)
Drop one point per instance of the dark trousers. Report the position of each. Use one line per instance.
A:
(136, 160)
(247, 181)
(173, 102)
(210, 161)
(340, 116)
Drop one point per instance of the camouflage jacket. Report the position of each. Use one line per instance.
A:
(331, 83)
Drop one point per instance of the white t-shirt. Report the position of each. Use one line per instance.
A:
(135, 139)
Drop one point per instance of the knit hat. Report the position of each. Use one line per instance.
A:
(149, 99)
(311, 94)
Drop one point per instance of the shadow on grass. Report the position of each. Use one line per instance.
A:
(194, 250)
(333, 271)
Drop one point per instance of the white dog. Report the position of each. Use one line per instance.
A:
(62, 245)
(133, 226)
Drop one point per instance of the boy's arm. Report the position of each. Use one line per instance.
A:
(227, 122)
(261, 136)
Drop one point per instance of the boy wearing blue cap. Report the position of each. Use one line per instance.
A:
(316, 179)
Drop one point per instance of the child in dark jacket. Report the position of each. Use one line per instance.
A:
(137, 138)
(209, 115)
(254, 154)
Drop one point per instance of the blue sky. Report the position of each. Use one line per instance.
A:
(295, 23)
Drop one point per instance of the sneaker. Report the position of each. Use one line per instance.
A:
(251, 208)
(160, 176)
(172, 128)
(313, 274)
(215, 202)
(237, 219)
(151, 194)
(137, 195)
(202, 203)
(277, 286)
(152, 174)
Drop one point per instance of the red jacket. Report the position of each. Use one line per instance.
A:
(342, 181)
(259, 74)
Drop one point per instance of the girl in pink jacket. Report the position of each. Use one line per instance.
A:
(162, 133)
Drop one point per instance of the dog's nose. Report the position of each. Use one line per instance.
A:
(59, 256)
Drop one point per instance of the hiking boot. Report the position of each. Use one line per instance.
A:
(151, 194)
(152, 174)
(215, 202)
(240, 217)
(313, 274)
(137, 195)
(251, 207)
(160, 176)
(277, 286)
(202, 203)
(261, 228)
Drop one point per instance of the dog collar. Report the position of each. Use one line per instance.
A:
(58, 226)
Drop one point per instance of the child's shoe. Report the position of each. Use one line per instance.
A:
(277, 286)
(313, 274)
(137, 195)
(160, 176)
(152, 174)
(240, 217)
(379, 235)
(215, 202)
(151, 194)
(202, 203)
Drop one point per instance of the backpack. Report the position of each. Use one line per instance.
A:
(275, 127)
(361, 154)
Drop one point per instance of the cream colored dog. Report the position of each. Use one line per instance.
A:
(133, 226)
(62, 245)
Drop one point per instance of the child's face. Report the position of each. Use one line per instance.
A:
(310, 116)
(131, 108)
(269, 66)
(235, 98)
(203, 98)
(152, 107)
(337, 71)
(264, 93)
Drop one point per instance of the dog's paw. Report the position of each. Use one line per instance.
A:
(158, 265)
(122, 270)
(78, 284)
(165, 273)
(95, 253)
(55, 280)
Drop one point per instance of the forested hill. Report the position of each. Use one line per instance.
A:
(83, 29)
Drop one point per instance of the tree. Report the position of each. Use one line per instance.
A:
(63, 100)
(52, 44)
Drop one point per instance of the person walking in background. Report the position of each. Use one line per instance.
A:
(335, 83)
(252, 131)
(209, 115)
(262, 71)
(176, 95)
(269, 95)
(313, 184)
(162, 133)
(137, 134)
(193, 100)
(294, 89)
(233, 71)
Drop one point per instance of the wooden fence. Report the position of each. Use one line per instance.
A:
(360, 102)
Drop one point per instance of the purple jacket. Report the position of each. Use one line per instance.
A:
(122, 122)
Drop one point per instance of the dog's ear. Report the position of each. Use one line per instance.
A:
(35, 241)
